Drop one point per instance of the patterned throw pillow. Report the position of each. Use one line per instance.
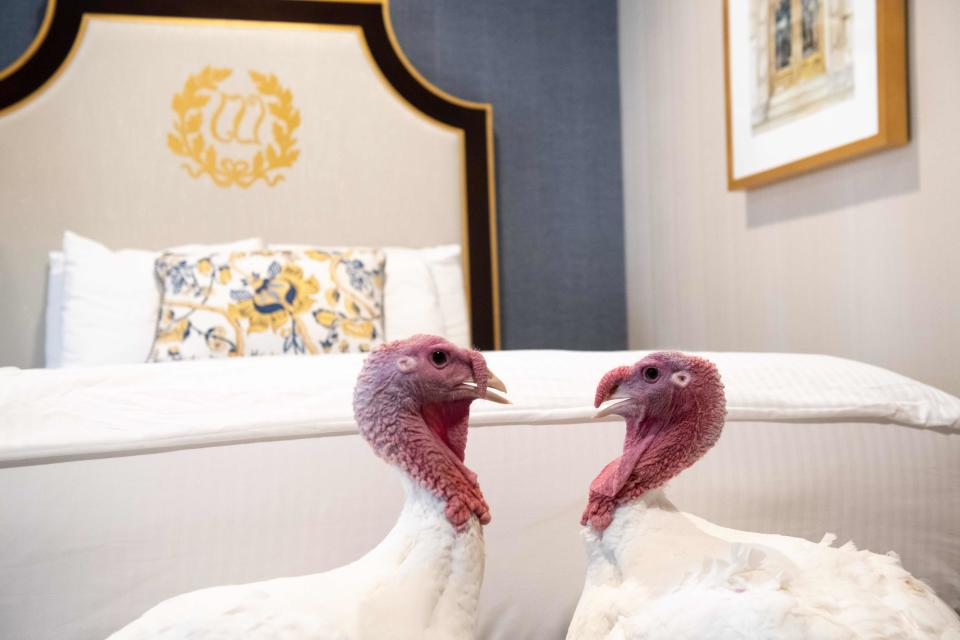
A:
(269, 303)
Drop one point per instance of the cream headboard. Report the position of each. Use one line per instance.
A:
(151, 124)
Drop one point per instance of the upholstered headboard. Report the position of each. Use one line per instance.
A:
(151, 124)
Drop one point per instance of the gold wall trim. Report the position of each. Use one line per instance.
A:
(419, 76)
(494, 245)
(33, 95)
(488, 109)
(34, 44)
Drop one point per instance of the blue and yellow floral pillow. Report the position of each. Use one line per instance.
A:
(269, 303)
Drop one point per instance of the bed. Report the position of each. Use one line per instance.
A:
(124, 485)
(124, 482)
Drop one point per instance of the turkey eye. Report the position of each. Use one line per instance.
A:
(650, 374)
(439, 358)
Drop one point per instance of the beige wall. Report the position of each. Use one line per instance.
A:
(861, 260)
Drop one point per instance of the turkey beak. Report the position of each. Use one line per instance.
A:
(618, 401)
(625, 405)
(493, 382)
(609, 388)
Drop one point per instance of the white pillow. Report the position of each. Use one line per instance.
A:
(423, 292)
(410, 304)
(447, 270)
(111, 300)
(53, 345)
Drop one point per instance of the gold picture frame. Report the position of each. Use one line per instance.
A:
(796, 65)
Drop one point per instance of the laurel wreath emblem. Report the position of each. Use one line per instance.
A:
(187, 139)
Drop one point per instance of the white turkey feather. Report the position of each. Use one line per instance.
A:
(658, 573)
(422, 582)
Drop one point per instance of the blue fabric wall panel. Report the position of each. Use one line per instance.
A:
(550, 69)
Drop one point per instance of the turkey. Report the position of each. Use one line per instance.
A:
(655, 572)
(411, 403)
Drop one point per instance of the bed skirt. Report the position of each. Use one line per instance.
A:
(88, 544)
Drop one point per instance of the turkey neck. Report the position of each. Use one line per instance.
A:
(652, 454)
(430, 569)
(425, 566)
(651, 541)
(645, 445)
(403, 438)
(423, 532)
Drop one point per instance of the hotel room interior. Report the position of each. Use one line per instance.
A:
(212, 211)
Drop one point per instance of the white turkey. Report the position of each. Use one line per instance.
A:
(655, 572)
(411, 402)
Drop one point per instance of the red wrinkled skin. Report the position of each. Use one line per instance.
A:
(679, 426)
(425, 436)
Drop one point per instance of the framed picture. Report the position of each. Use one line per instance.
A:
(810, 83)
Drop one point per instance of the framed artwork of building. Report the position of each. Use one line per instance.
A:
(810, 83)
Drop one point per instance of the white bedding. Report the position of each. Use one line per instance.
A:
(111, 502)
(123, 408)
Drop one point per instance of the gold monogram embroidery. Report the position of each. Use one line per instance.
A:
(234, 121)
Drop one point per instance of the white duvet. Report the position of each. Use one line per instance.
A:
(82, 412)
